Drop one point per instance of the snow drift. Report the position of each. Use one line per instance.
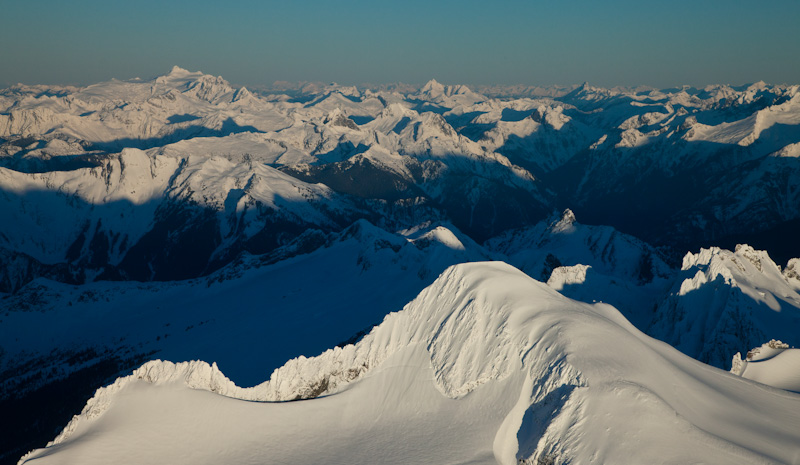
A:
(774, 364)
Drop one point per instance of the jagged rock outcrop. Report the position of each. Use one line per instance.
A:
(724, 301)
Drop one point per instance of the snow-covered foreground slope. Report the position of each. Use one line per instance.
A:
(320, 290)
(485, 366)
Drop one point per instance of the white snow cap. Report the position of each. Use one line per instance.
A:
(485, 366)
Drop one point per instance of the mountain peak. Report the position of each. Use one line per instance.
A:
(568, 216)
(564, 224)
(178, 76)
(178, 71)
(586, 92)
(433, 88)
(242, 94)
(338, 117)
(397, 109)
(437, 123)
(481, 336)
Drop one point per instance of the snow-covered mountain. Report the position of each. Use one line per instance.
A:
(725, 302)
(718, 303)
(688, 167)
(485, 366)
(142, 114)
(589, 263)
(683, 167)
(159, 215)
(183, 218)
(303, 298)
(320, 290)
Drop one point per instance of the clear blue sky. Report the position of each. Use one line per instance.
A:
(614, 42)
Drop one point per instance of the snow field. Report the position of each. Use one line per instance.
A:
(485, 366)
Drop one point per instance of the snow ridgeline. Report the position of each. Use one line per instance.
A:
(773, 363)
(469, 322)
(546, 379)
(724, 301)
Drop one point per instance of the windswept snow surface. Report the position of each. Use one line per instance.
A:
(485, 366)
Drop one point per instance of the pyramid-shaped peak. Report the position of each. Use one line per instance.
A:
(178, 71)
(581, 90)
(437, 123)
(242, 94)
(564, 223)
(461, 89)
(433, 87)
(397, 109)
(338, 117)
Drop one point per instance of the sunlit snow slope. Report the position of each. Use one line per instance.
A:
(485, 366)
(773, 363)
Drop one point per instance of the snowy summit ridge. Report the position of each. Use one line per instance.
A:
(539, 375)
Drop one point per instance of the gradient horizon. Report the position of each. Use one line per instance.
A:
(611, 43)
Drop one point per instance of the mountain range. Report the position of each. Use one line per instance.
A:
(184, 219)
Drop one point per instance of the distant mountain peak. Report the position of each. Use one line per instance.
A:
(564, 224)
(438, 125)
(397, 109)
(178, 76)
(339, 117)
(178, 71)
(433, 87)
(242, 94)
